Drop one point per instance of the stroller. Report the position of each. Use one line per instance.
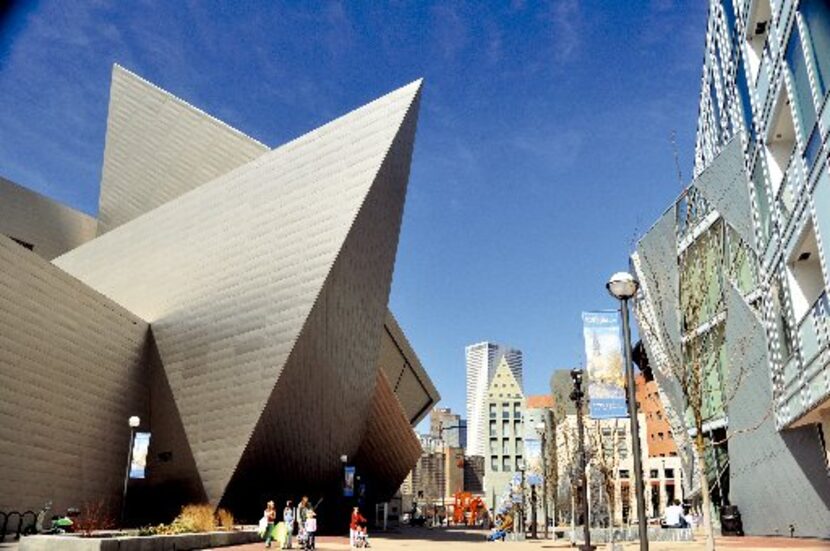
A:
(361, 539)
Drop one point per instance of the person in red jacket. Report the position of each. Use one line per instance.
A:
(356, 524)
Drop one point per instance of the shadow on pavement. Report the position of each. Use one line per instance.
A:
(437, 534)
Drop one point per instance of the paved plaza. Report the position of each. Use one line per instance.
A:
(411, 539)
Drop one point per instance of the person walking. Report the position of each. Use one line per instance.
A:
(357, 521)
(269, 517)
(288, 519)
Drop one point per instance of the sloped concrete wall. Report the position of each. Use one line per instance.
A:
(71, 374)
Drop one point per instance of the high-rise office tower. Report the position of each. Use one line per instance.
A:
(482, 360)
(446, 426)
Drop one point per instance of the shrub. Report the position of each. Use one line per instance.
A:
(197, 518)
(225, 519)
(94, 516)
(193, 518)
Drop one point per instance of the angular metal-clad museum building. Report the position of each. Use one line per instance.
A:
(233, 297)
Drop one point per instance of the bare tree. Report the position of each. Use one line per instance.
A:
(603, 442)
(686, 345)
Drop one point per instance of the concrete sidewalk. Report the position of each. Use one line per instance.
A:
(412, 539)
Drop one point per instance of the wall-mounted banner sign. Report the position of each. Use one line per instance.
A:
(603, 352)
(348, 481)
(138, 465)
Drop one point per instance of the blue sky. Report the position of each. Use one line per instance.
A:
(543, 147)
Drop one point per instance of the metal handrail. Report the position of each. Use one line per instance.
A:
(817, 315)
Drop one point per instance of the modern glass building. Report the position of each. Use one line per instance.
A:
(735, 273)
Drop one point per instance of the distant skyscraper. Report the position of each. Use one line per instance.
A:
(447, 426)
(482, 360)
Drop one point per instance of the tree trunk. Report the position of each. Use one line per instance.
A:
(706, 497)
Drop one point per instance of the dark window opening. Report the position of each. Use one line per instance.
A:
(23, 243)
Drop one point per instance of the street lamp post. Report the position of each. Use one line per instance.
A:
(133, 422)
(541, 428)
(623, 287)
(522, 503)
(577, 395)
(533, 519)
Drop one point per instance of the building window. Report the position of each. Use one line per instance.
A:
(713, 101)
(624, 473)
(519, 462)
(505, 464)
(492, 411)
(517, 428)
(757, 30)
(781, 319)
(519, 446)
(762, 201)
(505, 446)
(669, 473)
(505, 428)
(494, 463)
(779, 148)
(494, 445)
(746, 105)
(816, 14)
(517, 410)
(654, 473)
(23, 243)
(804, 274)
(622, 451)
(505, 410)
(729, 17)
(493, 428)
(797, 65)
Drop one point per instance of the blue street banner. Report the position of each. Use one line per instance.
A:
(603, 352)
(348, 481)
(138, 463)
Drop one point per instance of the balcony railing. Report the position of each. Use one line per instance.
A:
(812, 331)
(786, 193)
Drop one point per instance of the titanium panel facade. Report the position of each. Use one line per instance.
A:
(73, 371)
(229, 297)
(404, 371)
(159, 147)
(49, 227)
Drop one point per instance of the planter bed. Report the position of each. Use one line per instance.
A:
(178, 542)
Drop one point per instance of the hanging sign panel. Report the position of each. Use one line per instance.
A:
(348, 481)
(138, 464)
(603, 353)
